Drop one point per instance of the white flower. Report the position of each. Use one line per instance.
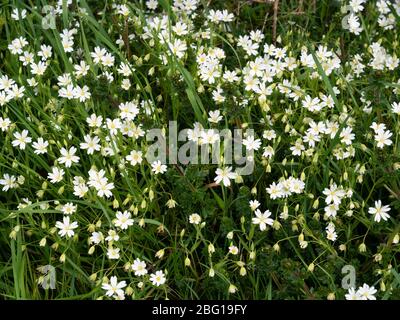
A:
(8, 182)
(123, 220)
(157, 278)
(94, 121)
(112, 236)
(275, 190)
(254, 204)
(382, 138)
(177, 47)
(366, 292)
(269, 152)
(69, 208)
(56, 175)
(114, 287)
(40, 146)
(98, 54)
(45, 52)
(135, 157)
(334, 194)
(347, 136)
(18, 14)
(357, 5)
(352, 294)
(209, 136)
(66, 227)
(233, 250)
(21, 139)
(224, 175)
(113, 253)
(354, 24)
(4, 123)
(96, 237)
(82, 94)
(330, 232)
(396, 108)
(125, 69)
(139, 267)
(90, 144)
(379, 212)
(39, 68)
(194, 218)
(104, 188)
(251, 144)
(152, 4)
(113, 125)
(215, 116)
(128, 110)
(81, 69)
(311, 104)
(157, 167)
(331, 210)
(68, 156)
(262, 219)
(80, 190)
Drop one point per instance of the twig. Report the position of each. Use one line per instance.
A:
(275, 21)
(300, 8)
(125, 38)
(212, 185)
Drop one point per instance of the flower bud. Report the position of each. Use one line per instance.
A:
(211, 273)
(232, 288)
(382, 286)
(331, 296)
(276, 225)
(43, 242)
(151, 195)
(211, 249)
(91, 250)
(160, 254)
(252, 255)
(378, 257)
(187, 262)
(141, 223)
(91, 228)
(129, 291)
(115, 204)
(93, 277)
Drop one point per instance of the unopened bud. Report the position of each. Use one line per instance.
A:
(187, 262)
(160, 254)
(211, 273)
